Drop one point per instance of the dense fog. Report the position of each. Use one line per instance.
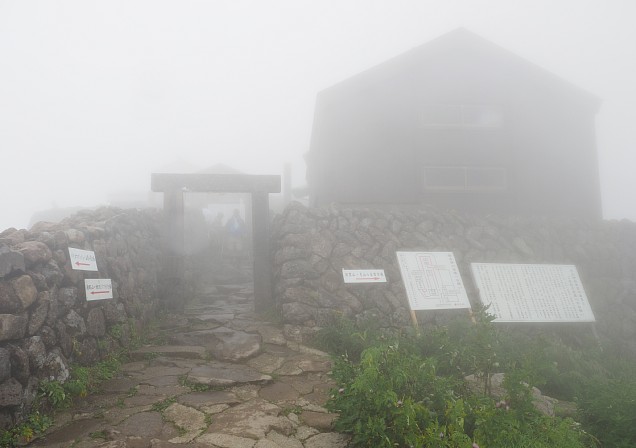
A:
(94, 96)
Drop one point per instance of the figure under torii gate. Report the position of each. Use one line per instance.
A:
(259, 186)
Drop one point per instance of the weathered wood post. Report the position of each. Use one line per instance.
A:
(263, 292)
(173, 269)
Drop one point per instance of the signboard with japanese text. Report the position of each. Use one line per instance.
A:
(82, 260)
(532, 292)
(432, 280)
(363, 276)
(98, 288)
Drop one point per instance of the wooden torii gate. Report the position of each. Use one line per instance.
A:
(259, 186)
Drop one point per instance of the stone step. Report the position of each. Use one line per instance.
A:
(176, 351)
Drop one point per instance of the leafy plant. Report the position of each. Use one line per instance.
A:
(164, 404)
(98, 435)
(54, 393)
(607, 409)
(407, 390)
(348, 338)
(389, 398)
(35, 424)
(116, 331)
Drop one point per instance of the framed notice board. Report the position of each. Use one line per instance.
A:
(532, 292)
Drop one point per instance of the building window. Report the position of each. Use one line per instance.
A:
(461, 116)
(464, 178)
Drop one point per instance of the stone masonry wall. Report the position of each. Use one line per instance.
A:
(46, 323)
(312, 246)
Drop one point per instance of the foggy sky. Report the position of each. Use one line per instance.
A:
(95, 95)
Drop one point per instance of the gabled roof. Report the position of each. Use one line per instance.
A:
(459, 39)
(220, 168)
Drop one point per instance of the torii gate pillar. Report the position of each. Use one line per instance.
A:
(259, 186)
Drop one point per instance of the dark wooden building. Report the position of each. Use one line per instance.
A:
(462, 123)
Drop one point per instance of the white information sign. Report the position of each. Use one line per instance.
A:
(532, 292)
(98, 288)
(432, 280)
(82, 260)
(363, 276)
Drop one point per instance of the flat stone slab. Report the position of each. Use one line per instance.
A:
(214, 318)
(272, 335)
(229, 289)
(177, 351)
(150, 389)
(253, 419)
(266, 363)
(71, 431)
(225, 374)
(279, 392)
(209, 398)
(224, 343)
(162, 371)
(318, 420)
(226, 440)
(190, 420)
(143, 424)
(279, 440)
(118, 385)
(327, 440)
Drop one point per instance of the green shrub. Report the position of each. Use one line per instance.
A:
(407, 390)
(22, 434)
(389, 398)
(348, 338)
(54, 393)
(607, 409)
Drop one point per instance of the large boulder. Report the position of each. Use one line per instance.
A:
(10, 393)
(96, 323)
(34, 252)
(25, 290)
(10, 261)
(5, 364)
(12, 327)
(39, 313)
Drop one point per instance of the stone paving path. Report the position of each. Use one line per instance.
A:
(224, 379)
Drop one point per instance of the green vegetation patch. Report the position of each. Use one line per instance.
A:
(409, 389)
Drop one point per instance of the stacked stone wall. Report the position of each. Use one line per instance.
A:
(46, 323)
(312, 246)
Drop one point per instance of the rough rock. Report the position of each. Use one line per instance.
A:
(75, 324)
(20, 368)
(25, 290)
(327, 440)
(5, 364)
(96, 323)
(190, 420)
(254, 419)
(180, 351)
(35, 349)
(225, 374)
(10, 392)
(12, 327)
(67, 297)
(34, 252)
(10, 261)
(226, 441)
(39, 313)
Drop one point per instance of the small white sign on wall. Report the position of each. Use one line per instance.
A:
(82, 260)
(98, 288)
(532, 292)
(363, 276)
(432, 281)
